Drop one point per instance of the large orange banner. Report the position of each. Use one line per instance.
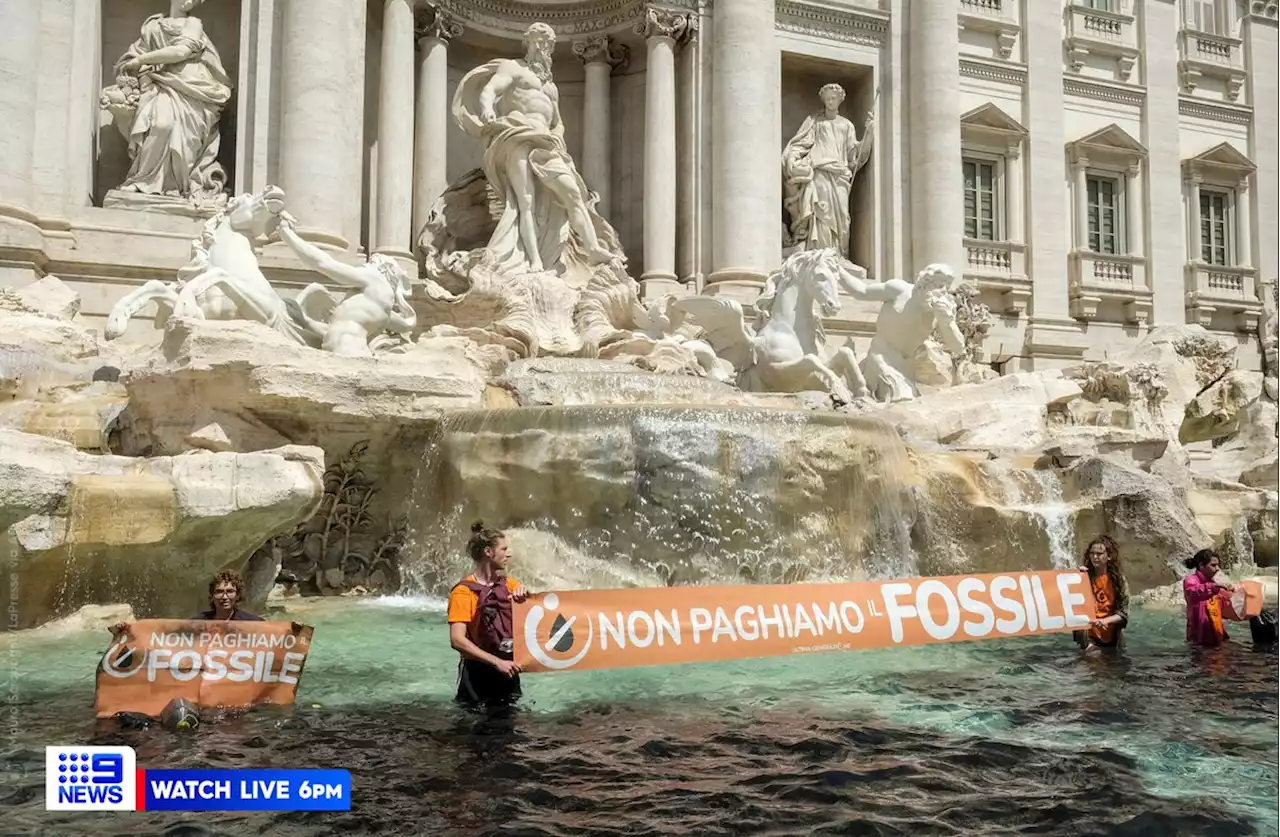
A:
(226, 664)
(587, 629)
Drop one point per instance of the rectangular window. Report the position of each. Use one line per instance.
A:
(980, 200)
(1214, 228)
(1202, 15)
(1103, 5)
(1104, 214)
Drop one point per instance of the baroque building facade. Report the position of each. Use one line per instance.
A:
(1097, 167)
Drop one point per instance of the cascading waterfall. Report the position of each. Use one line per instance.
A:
(649, 494)
(1048, 507)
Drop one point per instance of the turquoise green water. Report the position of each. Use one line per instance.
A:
(1184, 739)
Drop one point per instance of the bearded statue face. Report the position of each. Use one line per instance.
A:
(539, 41)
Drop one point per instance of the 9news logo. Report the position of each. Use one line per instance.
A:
(90, 779)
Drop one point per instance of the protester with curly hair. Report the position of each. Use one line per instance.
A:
(1110, 593)
(226, 592)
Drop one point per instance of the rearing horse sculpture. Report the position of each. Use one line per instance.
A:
(783, 354)
(223, 280)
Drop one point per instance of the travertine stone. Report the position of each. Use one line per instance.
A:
(77, 526)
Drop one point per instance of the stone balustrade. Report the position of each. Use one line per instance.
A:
(1203, 54)
(1212, 288)
(1104, 33)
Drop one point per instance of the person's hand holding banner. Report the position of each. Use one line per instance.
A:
(585, 629)
(210, 663)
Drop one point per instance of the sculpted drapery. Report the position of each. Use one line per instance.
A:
(171, 91)
(819, 165)
(513, 105)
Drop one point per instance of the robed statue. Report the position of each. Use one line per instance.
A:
(818, 168)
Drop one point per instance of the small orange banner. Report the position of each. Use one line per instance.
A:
(587, 629)
(1245, 603)
(213, 663)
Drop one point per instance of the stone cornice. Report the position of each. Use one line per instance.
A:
(509, 19)
(855, 26)
(1001, 71)
(1236, 115)
(1105, 91)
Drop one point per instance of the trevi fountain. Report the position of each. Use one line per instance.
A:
(333, 436)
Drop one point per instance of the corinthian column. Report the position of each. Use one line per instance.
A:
(937, 179)
(395, 131)
(430, 150)
(321, 122)
(746, 189)
(661, 29)
(600, 57)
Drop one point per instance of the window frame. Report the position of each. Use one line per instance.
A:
(1229, 197)
(1121, 227)
(999, 204)
(1191, 17)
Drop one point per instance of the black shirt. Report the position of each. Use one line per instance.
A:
(237, 615)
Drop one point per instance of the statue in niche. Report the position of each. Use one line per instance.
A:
(818, 167)
(515, 253)
(910, 315)
(358, 325)
(170, 91)
(513, 105)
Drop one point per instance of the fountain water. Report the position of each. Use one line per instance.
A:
(673, 494)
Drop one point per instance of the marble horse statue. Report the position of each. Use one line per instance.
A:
(222, 281)
(783, 354)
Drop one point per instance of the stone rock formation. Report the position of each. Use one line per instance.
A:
(81, 529)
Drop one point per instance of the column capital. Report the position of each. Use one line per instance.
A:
(666, 23)
(1135, 169)
(1080, 163)
(431, 21)
(1243, 185)
(601, 49)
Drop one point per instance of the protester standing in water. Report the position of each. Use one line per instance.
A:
(1111, 594)
(481, 624)
(1205, 598)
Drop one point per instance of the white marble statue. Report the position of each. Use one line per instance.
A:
(785, 354)
(513, 105)
(818, 168)
(911, 313)
(170, 91)
(1269, 337)
(222, 281)
(378, 304)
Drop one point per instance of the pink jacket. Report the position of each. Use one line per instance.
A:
(1198, 591)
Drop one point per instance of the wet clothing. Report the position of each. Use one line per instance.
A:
(1111, 597)
(486, 610)
(1204, 598)
(237, 615)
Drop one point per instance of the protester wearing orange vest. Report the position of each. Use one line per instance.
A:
(1110, 593)
(481, 624)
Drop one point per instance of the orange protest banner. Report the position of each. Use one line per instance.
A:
(213, 663)
(1245, 603)
(588, 629)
